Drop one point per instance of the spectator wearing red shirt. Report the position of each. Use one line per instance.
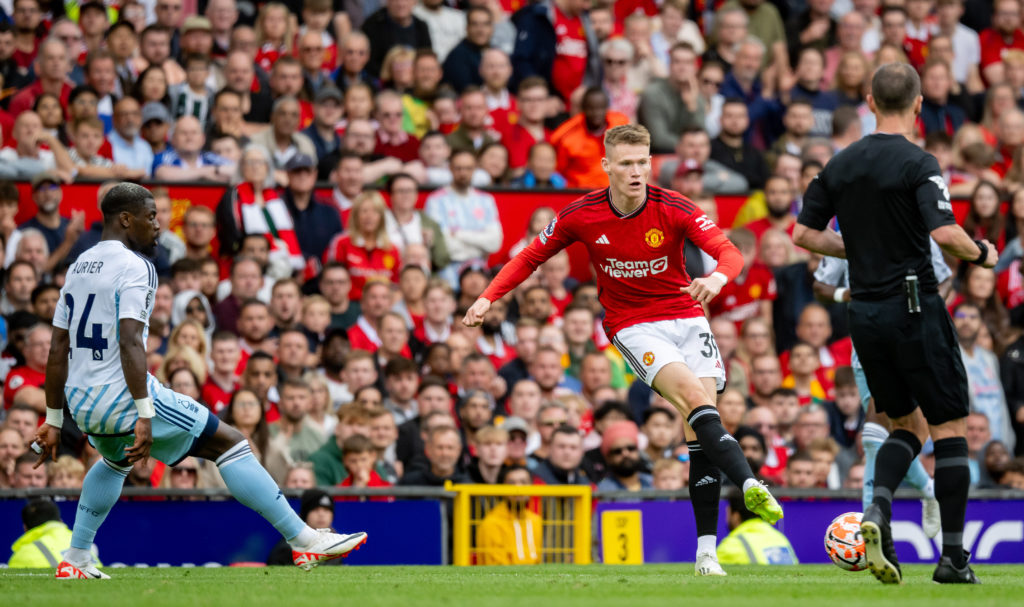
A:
(525, 125)
(1004, 34)
(222, 381)
(365, 249)
(375, 302)
(52, 70)
(33, 372)
(753, 291)
(359, 459)
(815, 328)
(28, 15)
(778, 197)
(496, 70)
(392, 140)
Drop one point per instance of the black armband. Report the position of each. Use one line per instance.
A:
(984, 253)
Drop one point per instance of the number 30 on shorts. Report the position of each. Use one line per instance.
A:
(710, 349)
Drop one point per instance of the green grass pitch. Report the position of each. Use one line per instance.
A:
(811, 585)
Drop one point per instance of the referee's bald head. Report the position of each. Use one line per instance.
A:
(895, 88)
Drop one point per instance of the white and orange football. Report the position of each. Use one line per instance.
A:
(844, 544)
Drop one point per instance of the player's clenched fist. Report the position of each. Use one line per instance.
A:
(703, 290)
(475, 314)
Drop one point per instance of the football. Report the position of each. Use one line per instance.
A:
(844, 544)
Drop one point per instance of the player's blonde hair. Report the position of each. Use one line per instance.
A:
(627, 134)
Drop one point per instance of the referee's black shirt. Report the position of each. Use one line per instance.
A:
(888, 195)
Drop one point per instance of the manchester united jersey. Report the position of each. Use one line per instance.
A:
(638, 257)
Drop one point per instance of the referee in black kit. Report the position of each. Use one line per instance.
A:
(889, 196)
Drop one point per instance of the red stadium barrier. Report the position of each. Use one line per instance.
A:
(514, 208)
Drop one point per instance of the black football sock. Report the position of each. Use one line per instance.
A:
(894, 458)
(952, 479)
(705, 490)
(721, 448)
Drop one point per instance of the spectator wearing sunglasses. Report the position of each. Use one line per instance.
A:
(621, 449)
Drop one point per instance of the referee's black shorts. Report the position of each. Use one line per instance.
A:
(910, 360)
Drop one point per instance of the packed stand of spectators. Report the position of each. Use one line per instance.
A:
(326, 328)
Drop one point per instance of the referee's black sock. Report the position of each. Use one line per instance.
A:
(705, 490)
(894, 459)
(721, 448)
(952, 478)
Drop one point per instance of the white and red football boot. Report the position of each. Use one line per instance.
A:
(67, 571)
(327, 546)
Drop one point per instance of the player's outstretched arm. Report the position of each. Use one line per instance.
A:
(515, 271)
(48, 435)
(133, 363)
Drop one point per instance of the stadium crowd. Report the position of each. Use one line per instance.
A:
(326, 329)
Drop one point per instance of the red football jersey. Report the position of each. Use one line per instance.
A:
(638, 257)
(570, 54)
(18, 378)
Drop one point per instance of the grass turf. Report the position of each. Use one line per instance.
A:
(499, 586)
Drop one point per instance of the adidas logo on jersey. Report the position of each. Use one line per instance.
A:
(602, 240)
(707, 480)
(726, 437)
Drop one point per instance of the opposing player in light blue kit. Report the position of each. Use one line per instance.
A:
(98, 364)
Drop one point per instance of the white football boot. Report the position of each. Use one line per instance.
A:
(327, 546)
(707, 564)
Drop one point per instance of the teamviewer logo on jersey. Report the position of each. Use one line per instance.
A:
(618, 268)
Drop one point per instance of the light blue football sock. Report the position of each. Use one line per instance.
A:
(100, 490)
(871, 438)
(919, 479)
(251, 485)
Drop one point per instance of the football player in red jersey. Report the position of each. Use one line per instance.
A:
(634, 233)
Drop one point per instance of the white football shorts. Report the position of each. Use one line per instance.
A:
(650, 346)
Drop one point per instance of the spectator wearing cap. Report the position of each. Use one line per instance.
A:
(316, 508)
(518, 439)
(129, 148)
(392, 140)
(45, 539)
(193, 97)
(156, 123)
(316, 220)
(670, 105)
(196, 38)
(621, 449)
(390, 26)
(467, 216)
(52, 67)
(283, 139)
(689, 178)
(35, 150)
(580, 141)
(187, 161)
